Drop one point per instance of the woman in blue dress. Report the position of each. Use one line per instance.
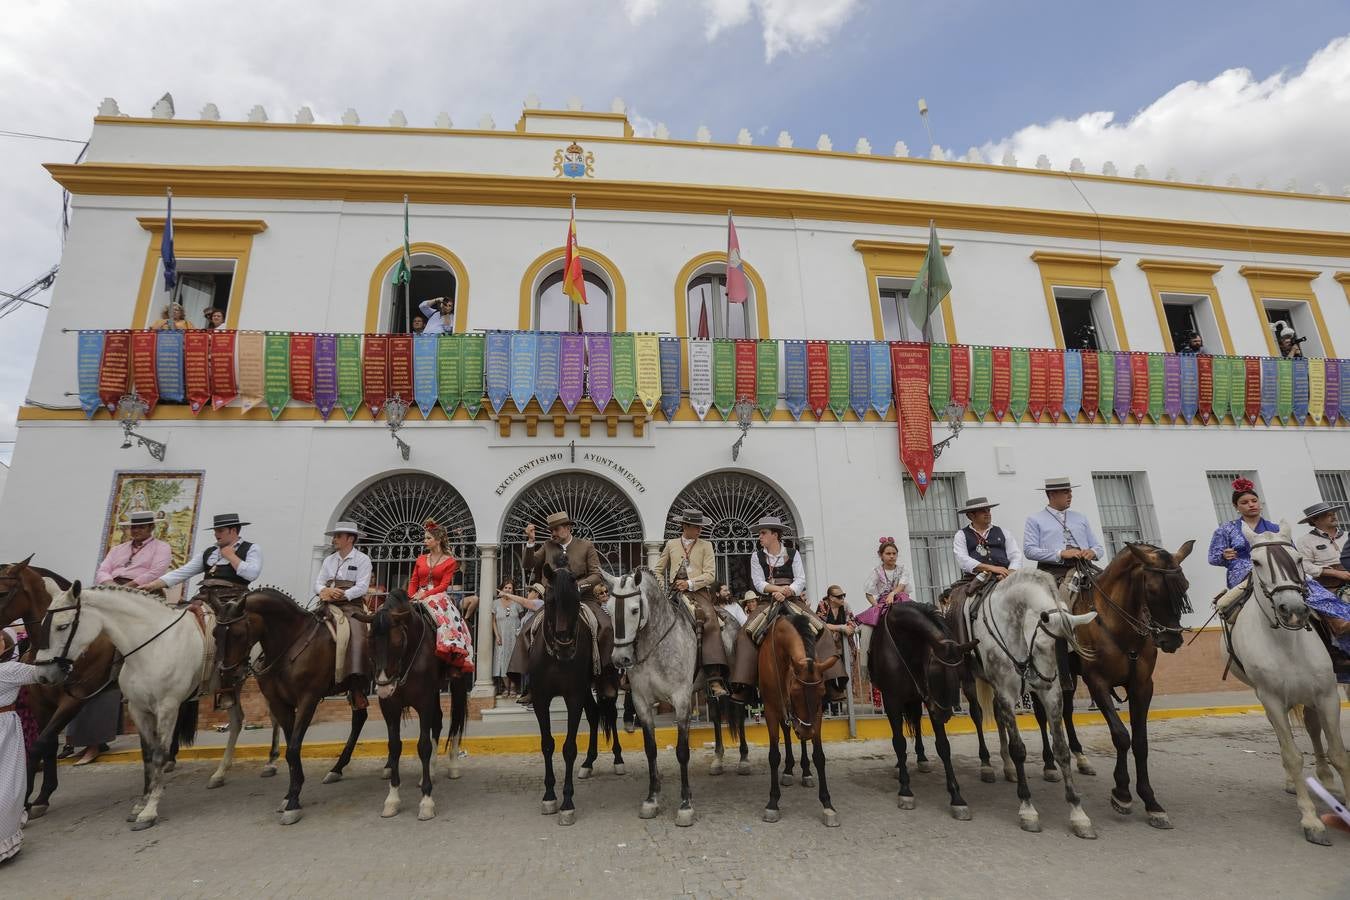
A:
(1229, 548)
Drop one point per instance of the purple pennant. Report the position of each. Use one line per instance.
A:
(1172, 386)
(1190, 386)
(325, 374)
(1342, 388)
(1124, 387)
(571, 369)
(599, 370)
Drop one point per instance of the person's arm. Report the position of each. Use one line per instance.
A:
(194, 566)
(362, 579)
(1015, 560)
(592, 576)
(18, 673)
(663, 561)
(427, 309)
(321, 581)
(524, 602)
(1031, 543)
(901, 577)
(1094, 542)
(707, 568)
(105, 568)
(757, 573)
(962, 554)
(251, 567)
(1217, 544)
(798, 574)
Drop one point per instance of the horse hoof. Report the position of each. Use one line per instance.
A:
(215, 781)
(905, 802)
(332, 777)
(142, 824)
(1160, 820)
(268, 771)
(291, 816)
(1123, 808)
(743, 767)
(169, 767)
(1084, 830)
(37, 810)
(715, 768)
(684, 817)
(961, 813)
(385, 773)
(390, 810)
(808, 781)
(629, 726)
(830, 817)
(548, 807)
(134, 814)
(618, 769)
(987, 774)
(923, 765)
(1050, 775)
(426, 809)
(453, 773)
(771, 815)
(649, 809)
(1084, 767)
(583, 773)
(1317, 836)
(567, 817)
(1031, 824)
(785, 779)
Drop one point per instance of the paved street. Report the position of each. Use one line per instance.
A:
(1220, 779)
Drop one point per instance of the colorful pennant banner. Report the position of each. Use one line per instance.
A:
(114, 372)
(223, 385)
(349, 380)
(449, 371)
(277, 372)
(623, 368)
(859, 379)
(670, 377)
(910, 375)
(524, 368)
(766, 378)
(89, 363)
(169, 366)
(724, 376)
(818, 377)
(599, 370)
(426, 381)
(838, 379)
(700, 376)
(548, 358)
(794, 376)
(571, 369)
(879, 368)
(647, 363)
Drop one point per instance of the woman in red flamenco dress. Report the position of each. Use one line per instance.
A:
(430, 580)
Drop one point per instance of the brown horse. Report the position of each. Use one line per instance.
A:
(791, 683)
(296, 673)
(23, 595)
(1139, 600)
(408, 674)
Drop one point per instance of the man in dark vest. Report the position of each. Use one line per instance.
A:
(228, 566)
(986, 555)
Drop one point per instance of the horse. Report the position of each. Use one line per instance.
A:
(561, 665)
(1139, 600)
(296, 673)
(1275, 651)
(26, 596)
(1012, 658)
(914, 662)
(160, 687)
(655, 641)
(408, 674)
(791, 686)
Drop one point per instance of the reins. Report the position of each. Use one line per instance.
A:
(785, 695)
(63, 660)
(637, 632)
(1025, 667)
(417, 649)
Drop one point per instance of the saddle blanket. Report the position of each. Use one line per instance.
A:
(587, 618)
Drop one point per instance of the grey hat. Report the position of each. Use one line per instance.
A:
(691, 516)
(226, 520)
(343, 527)
(772, 523)
(1317, 509)
(138, 517)
(1059, 483)
(977, 503)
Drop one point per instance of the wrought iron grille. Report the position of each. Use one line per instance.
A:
(732, 502)
(1126, 510)
(1334, 487)
(932, 521)
(603, 515)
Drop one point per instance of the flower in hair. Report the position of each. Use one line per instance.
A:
(886, 540)
(1243, 484)
(431, 525)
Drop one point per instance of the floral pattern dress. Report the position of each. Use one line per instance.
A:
(454, 644)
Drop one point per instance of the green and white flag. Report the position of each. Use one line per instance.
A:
(931, 286)
(403, 271)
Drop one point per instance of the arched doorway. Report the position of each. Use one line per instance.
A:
(732, 502)
(602, 512)
(392, 512)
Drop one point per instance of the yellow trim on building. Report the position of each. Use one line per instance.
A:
(894, 259)
(198, 239)
(1166, 276)
(1344, 279)
(682, 292)
(468, 189)
(383, 272)
(1270, 283)
(1080, 271)
(530, 279)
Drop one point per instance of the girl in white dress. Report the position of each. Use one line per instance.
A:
(13, 758)
(887, 584)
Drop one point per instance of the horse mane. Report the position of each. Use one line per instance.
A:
(931, 613)
(382, 622)
(123, 588)
(803, 626)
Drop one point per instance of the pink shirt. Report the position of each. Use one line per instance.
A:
(142, 567)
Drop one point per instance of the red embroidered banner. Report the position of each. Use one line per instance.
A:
(909, 375)
(114, 370)
(197, 368)
(818, 376)
(302, 367)
(1253, 404)
(1039, 385)
(1092, 385)
(961, 375)
(1205, 402)
(1054, 383)
(375, 372)
(143, 367)
(1139, 386)
(1001, 391)
(224, 387)
(745, 370)
(401, 367)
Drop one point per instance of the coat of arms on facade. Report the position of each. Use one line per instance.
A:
(573, 162)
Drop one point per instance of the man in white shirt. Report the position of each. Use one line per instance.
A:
(344, 576)
(1323, 547)
(229, 565)
(440, 313)
(986, 554)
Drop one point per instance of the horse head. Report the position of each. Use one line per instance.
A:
(23, 595)
(1277, 575)
(1156, 580)
(632, 597)
(61, 627)
(389, 641)
(235, 634)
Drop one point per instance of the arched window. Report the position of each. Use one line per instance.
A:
(555, 311)
(701, 305)
(436, 273)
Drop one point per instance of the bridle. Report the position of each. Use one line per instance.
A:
(785, 692)
(1144, 624)
(923, 687)
(408, 659)
(1260, 589)
(554, 643)
(63, 661)
(225, 642)
(1026, 668)
(642, 624)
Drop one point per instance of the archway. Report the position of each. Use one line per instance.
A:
(602, 512)
(392, 511)
(732, 502)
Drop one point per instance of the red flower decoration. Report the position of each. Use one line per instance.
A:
(1243, 484)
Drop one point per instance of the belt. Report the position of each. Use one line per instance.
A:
(339, 583)
(11, 708)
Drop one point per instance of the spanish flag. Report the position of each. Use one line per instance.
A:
(574, 282)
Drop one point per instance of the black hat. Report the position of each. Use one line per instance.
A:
(226, 520)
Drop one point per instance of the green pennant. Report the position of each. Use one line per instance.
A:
(471, 372)
(939, 378)
(1237, 389)
(981, 380)
(449, 352)
(1157, 382)
(1219, 404)
(349, 373)
(766, 378)
(1284, 390)
(839, 370)
(1106, 380)
(1021, 383)
(277, 372)
(724, 377)
(624, 370)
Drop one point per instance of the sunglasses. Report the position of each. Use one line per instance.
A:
(837, 596)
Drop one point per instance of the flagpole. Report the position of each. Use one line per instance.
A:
(407, 283)
(928, 294)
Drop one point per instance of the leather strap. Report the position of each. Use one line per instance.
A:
(11, 708)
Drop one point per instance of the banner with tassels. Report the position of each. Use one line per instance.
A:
(224, 387)
(909, 374)
(670, 377)
(859, 379)
(1038, 389)
(1001, 384)
(766, 378)
(838, 379)
(88, 366)
(1300, 386)
(647, 363)
(197, 368)
(169, 366)
(1317, 390)
(548, 355)
(426, 380)
(277, 372)
(1073, 385)
(249, 353)
(961, 376)
(981, 381)
(302, 367)
(818, 377)
(114, 371)
(144, 380)
(623, 368)
(350, 384)
(795, 378)
(1019, 388)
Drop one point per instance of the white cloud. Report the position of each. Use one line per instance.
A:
(1289, 125)
(638, 10)
(787, 26)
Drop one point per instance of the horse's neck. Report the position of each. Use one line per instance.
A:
(1118, 585)
(659, 614)
(128, 619)
(280, 620)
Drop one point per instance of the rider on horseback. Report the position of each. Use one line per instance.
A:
(689, 567)
(1059, 538)
(344, 579)
(1324, 547)
(229, 565)
(986, 554)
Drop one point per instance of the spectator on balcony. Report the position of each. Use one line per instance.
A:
(419, 323)
(215, 318)
(1192, 344)
(171, 317)
(440, 313)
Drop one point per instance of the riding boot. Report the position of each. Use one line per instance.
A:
(834, 690)
(716, 676)
(742, 693)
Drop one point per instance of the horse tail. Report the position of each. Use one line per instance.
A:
(733, 715)
(913, 719)
(459, 707)
(185, 729)
(609, 717)
(984, 695)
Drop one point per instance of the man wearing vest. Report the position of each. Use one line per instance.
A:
(228, 566)
(777, 573)
(986, 555)
(1057, 537)
(689, 566)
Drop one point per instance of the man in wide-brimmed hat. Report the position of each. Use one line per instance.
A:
(345, 573)
(1323, 546)
(228, 566)
(985, 553)
(689, 567)
(1057, 537)
(140, 560)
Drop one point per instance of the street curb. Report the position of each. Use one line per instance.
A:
(872, 728)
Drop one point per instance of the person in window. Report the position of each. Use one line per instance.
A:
(887, 584)
(215, 318)
(171, 317)
(429, 585)
(440, 313)
(419, 324)
(1192, 344)
(1291, 345)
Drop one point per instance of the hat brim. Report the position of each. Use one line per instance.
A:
(970, 509)
(688, 522)
(335, 532)
(230, 525)
(1330, 507)
(1061, 487)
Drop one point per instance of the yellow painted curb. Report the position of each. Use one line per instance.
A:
(870, 728)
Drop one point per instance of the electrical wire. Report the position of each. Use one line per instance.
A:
(38, 137)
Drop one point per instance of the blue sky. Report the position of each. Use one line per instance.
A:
(997, 76)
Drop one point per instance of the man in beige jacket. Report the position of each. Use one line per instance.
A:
(689, 567)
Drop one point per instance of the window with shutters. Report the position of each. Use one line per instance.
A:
(1126, 510)
(932, 522)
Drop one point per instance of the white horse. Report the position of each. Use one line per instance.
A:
(1016, 629)
(1274, 651)
(163, 652)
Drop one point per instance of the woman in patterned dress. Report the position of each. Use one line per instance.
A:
(428, 585)
(13, 756)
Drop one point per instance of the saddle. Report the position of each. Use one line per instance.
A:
(349, 638)
(965, 605)
(587, 616)
(760, 623)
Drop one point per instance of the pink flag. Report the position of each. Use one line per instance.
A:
(737, 290)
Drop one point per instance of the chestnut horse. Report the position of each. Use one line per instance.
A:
(791, 684)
